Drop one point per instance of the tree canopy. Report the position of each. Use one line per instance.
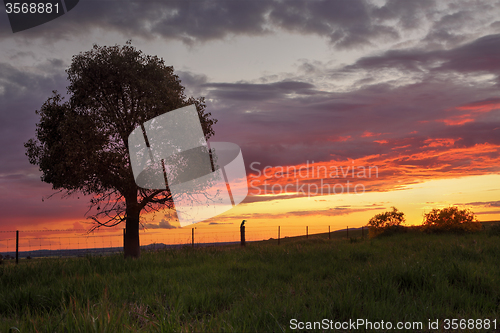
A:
(451, 219)
(385, 221)
(81, 143)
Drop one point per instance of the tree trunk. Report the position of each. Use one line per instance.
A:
(131, 246)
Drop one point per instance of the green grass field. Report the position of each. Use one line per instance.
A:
(260, 288)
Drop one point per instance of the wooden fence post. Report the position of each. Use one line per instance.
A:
(362, 232)
(307, 232)
(347, 231)
(17, 246)
(242, 233)
(192, 237)
(329, 235)
(278, 235)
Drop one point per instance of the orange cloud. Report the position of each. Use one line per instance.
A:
(435, 159)
(470, 112)
(481, 107)
(442, 142)
(339, 138)
(368, 134)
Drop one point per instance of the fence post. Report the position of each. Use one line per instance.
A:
(17, 246)
(124, 238)
(278, 235)
(362, 232)
(307, 232)
(242, 232)
(329, 235)
(347, 231)
(192, 237)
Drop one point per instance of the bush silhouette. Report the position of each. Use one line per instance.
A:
(389, 222)
(451, 219)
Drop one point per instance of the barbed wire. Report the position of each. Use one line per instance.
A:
(43, 230)
(95, 243)
(185, 228)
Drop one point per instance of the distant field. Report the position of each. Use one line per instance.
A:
(262, 287)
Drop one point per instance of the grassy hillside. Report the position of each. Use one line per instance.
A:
(260, 288)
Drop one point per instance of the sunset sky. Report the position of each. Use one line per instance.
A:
(404, 93)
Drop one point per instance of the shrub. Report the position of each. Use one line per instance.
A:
(451, 219)
(388, 221)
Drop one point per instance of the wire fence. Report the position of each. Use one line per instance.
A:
(29, 244)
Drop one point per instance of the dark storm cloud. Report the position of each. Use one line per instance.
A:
(259, 92)
(483, 102)
(345, 23)
(481, 55)
(461, 22)
(447, 30)
(288, 129)
(473, 133)
(192, 82)
(191, 79)
(409, 14)
(21, 93)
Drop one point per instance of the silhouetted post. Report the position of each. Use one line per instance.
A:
(17, 246)
(347, 231)
(124, 237)
(329, 235)
(362, 232)
(307, 232)
(242, 232)
(278, 235)
(192, 237)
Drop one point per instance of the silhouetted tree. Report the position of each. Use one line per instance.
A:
(81, 145)
(451, 219)
(385, 221)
